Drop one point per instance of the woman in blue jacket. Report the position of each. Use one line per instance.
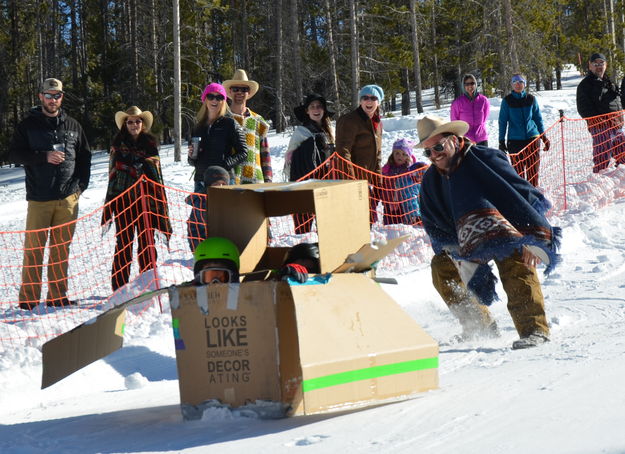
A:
(520, 115)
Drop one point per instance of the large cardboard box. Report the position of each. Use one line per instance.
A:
(338, 341)
(241, 213)
(314, 348)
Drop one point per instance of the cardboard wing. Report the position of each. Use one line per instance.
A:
(368, 255)
(87, 343)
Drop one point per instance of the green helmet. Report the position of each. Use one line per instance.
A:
(217, 249)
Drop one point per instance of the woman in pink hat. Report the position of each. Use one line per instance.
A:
(221, 139)
(221, 143)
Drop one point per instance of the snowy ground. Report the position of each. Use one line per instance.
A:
(564, 397)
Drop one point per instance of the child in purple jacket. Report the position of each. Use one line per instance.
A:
(401, 194)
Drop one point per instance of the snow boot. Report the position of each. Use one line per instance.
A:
(533, 340)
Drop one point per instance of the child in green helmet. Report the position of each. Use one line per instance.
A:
(216, 261)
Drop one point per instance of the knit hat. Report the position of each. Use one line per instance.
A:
(52, 84)
(372, 90)
(406, 145)
(212, 174)
(214, 88)
(518, 78)
(300, 111)
(597, 56)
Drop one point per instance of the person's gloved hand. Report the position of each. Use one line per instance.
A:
(295, 271)
(502, 146)
(546, 143)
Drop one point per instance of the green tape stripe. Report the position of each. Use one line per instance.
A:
(368, 373)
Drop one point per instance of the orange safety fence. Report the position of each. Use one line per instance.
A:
(156, 226)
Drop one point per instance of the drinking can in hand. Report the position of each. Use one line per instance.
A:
(195, 147)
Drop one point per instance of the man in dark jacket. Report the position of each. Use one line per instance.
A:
(57, 162)
(599, 102)
(476, 209)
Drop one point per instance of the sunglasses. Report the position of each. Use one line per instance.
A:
(56, 96)
(598, 63)
(134, 122)
(369, 98)
(212, 97)
(213, 276)
(469, 83)
(437, 148)
(240, 89)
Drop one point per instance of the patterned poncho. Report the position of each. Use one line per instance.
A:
(128, 162)
(483, 210)
(257, 167)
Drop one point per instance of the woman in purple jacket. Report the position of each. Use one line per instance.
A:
(472, 107)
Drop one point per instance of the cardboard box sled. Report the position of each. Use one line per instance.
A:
(313, 348)
(334, 344)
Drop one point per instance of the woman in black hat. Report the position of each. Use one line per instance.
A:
(313, 141)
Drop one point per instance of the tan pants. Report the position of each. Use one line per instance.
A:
(520, 282)
(54, 219)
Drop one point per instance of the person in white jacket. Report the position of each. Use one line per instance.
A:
(313, 141)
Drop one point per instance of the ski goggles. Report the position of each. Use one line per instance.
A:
(213, 276)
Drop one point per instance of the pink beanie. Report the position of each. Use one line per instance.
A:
(214, 88)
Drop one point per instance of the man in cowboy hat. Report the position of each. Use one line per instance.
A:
(476, 208)
(257, 167)
(53, 148)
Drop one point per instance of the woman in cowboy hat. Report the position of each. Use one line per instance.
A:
(134, 157)
(475, 209)
(313, 141)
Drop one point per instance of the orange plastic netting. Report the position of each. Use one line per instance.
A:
(157, 226)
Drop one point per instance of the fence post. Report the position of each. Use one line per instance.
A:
(151, 244)
(563, 156)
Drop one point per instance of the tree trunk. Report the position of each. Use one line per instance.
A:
(177, 100)
(279, 109)
(355, 61)
(416, 68)
(436, 82)
(405, 95)
(507, 14)
(332, 53)
(296, 53)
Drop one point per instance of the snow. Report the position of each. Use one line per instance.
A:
(563, 397)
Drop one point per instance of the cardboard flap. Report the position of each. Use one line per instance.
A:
(87, 343)
(368, 255)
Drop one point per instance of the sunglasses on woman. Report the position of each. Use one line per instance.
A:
(134, 122)
(212, 97)
(369, 98)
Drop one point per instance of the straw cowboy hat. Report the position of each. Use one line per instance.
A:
(134, 111)
(431, 125)
(240, 79)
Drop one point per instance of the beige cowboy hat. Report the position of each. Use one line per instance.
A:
(134, 111)
(431, 125)
(240, 79)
